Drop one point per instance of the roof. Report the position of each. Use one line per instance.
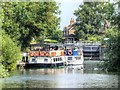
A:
(46, 44)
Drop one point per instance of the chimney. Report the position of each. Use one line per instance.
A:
(71, 21)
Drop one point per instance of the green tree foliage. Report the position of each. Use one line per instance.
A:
(112, 60)
(26, 20)
(57, 35)
(112, 45)
(91, 17)
(10, 53)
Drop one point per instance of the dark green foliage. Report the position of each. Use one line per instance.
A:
(91, 17)
(24, 21)
(112, 61)
(112, 51)
(57, 35)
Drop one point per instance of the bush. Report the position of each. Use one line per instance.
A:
(95, 38)
(3, 72)
(92, 39)
(10, 53)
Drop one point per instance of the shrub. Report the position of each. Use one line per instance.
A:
(10, 53)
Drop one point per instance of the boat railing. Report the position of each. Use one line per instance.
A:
(82, 43)
(47, 53)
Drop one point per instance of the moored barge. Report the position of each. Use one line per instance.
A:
(53, 55)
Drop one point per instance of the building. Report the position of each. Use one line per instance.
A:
(69, 32)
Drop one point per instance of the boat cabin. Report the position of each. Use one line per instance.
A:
(46, 50)
(45, 47)
(72, 50)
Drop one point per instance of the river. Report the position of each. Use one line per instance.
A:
(60, 78)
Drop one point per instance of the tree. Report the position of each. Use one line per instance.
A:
(91, 17)
(113, 44)
(57, 35)
(26, 20)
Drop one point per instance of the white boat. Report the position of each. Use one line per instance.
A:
(74, 57)
(74, 60)
(44, 57)
(45, 61)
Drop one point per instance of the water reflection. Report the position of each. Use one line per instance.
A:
(60, 78)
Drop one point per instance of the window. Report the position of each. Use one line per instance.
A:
(45, 60)
(87, 48)
(58, 59)
(54, 59)
(33, 60)
(69, 58)
(77, 58)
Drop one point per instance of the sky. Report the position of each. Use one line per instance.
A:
(67, 8)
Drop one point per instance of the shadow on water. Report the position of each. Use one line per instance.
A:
(66, 77)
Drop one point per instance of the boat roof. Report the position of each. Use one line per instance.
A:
(46, 44)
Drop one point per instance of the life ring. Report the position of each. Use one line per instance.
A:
(42, 54)
(37, 53)
(47, 53)
(53, 53)
(69, 52)
(62, 53)
(65, 52)
(32, 54)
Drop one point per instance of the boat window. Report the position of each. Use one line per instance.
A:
(60, 59)
(39, 47)
(55, 47)
(45, 60)
(77, 58)
(33, 60)
(51, 48)
(86, 48)
(76, 48)
(95, 48)
(54, 59)
(69, 58)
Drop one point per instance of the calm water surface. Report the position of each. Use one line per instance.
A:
(60, 78)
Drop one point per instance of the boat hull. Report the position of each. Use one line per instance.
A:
(39, 62)
(74, 60)
(43, 65)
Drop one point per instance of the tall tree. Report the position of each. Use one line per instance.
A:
(26, 20)
(113, 44)
(91, 16)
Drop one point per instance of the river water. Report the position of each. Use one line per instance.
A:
(60, 78)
